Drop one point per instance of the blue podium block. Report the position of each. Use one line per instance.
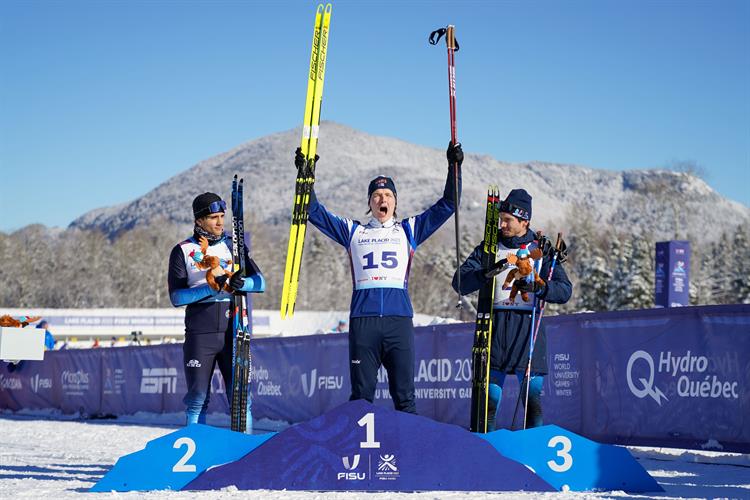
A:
(172, 461)
(360, 446)
(568, 461)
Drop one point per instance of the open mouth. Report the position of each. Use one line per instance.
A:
(383, 210)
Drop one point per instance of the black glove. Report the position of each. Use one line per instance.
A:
(221, 280)
(496, 268)
(528, 286)
(236, 281)
(300, 160)
(455, 154)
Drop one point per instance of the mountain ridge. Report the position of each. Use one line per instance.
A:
(668, 204)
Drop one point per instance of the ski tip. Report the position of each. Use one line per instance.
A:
(328, 8)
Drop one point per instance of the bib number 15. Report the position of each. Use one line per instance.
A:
(388, 260)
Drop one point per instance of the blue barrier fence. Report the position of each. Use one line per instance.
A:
(667, 377)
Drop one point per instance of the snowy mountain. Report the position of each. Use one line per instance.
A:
(663, 203)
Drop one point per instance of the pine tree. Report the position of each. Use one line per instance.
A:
(639, 283)
(721, 262)
(740, 270)
(590, 267)
(620, 256)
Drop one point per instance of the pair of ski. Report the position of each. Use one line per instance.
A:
(480, 351)
(306, 172)
(241, 359)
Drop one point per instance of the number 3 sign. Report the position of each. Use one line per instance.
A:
(568, 461)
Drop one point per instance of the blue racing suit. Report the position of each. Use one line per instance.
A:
(380, 323)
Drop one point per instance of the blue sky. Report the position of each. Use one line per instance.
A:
(101, 101)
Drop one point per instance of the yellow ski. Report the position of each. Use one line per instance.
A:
(309, 146)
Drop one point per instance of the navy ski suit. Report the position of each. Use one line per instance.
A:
(380, 324)
(509, 352)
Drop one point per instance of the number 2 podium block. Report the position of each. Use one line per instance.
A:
(172, 461)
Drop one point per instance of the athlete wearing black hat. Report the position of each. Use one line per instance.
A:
(208, 329)
(509, 353)
(381, 331)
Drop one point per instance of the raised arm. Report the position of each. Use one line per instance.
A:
(431, 219)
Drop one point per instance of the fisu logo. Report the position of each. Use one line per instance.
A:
(308, 384)
(350, 466)
(353, 465)
(38, 383)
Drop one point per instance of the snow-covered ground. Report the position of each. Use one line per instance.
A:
(41, 457)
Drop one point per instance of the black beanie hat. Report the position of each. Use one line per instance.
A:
(381, 182)
(518, 204)
(203, 205)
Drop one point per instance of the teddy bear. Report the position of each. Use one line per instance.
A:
(523, 259)
(215, 266)
(21, 322)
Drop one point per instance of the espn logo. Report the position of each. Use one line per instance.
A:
(159, 381)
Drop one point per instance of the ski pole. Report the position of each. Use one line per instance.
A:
(452, 45)
(535, 324)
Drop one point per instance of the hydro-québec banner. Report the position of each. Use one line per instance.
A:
(668, 377)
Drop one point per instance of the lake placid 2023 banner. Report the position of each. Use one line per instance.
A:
(667, 377)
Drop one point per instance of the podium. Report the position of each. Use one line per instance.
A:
(362, 447)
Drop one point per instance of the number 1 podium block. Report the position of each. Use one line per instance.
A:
(358, 446)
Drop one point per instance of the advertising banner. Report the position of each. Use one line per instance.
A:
(672, 274)
(667, 377)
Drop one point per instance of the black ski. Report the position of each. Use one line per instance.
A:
(480, 352)
(241, 361)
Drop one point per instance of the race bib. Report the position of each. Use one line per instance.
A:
(380, 257)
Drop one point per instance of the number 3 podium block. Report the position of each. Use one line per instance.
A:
(568, 461)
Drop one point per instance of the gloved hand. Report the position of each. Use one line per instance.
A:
(496, 268)
(454, 154)
(532, 287)
(299, 158)
(545, 244)
(221, 280)
(236, 282)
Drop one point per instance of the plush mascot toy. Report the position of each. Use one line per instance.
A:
(214, 265)
(21, 322)
(524, 271)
